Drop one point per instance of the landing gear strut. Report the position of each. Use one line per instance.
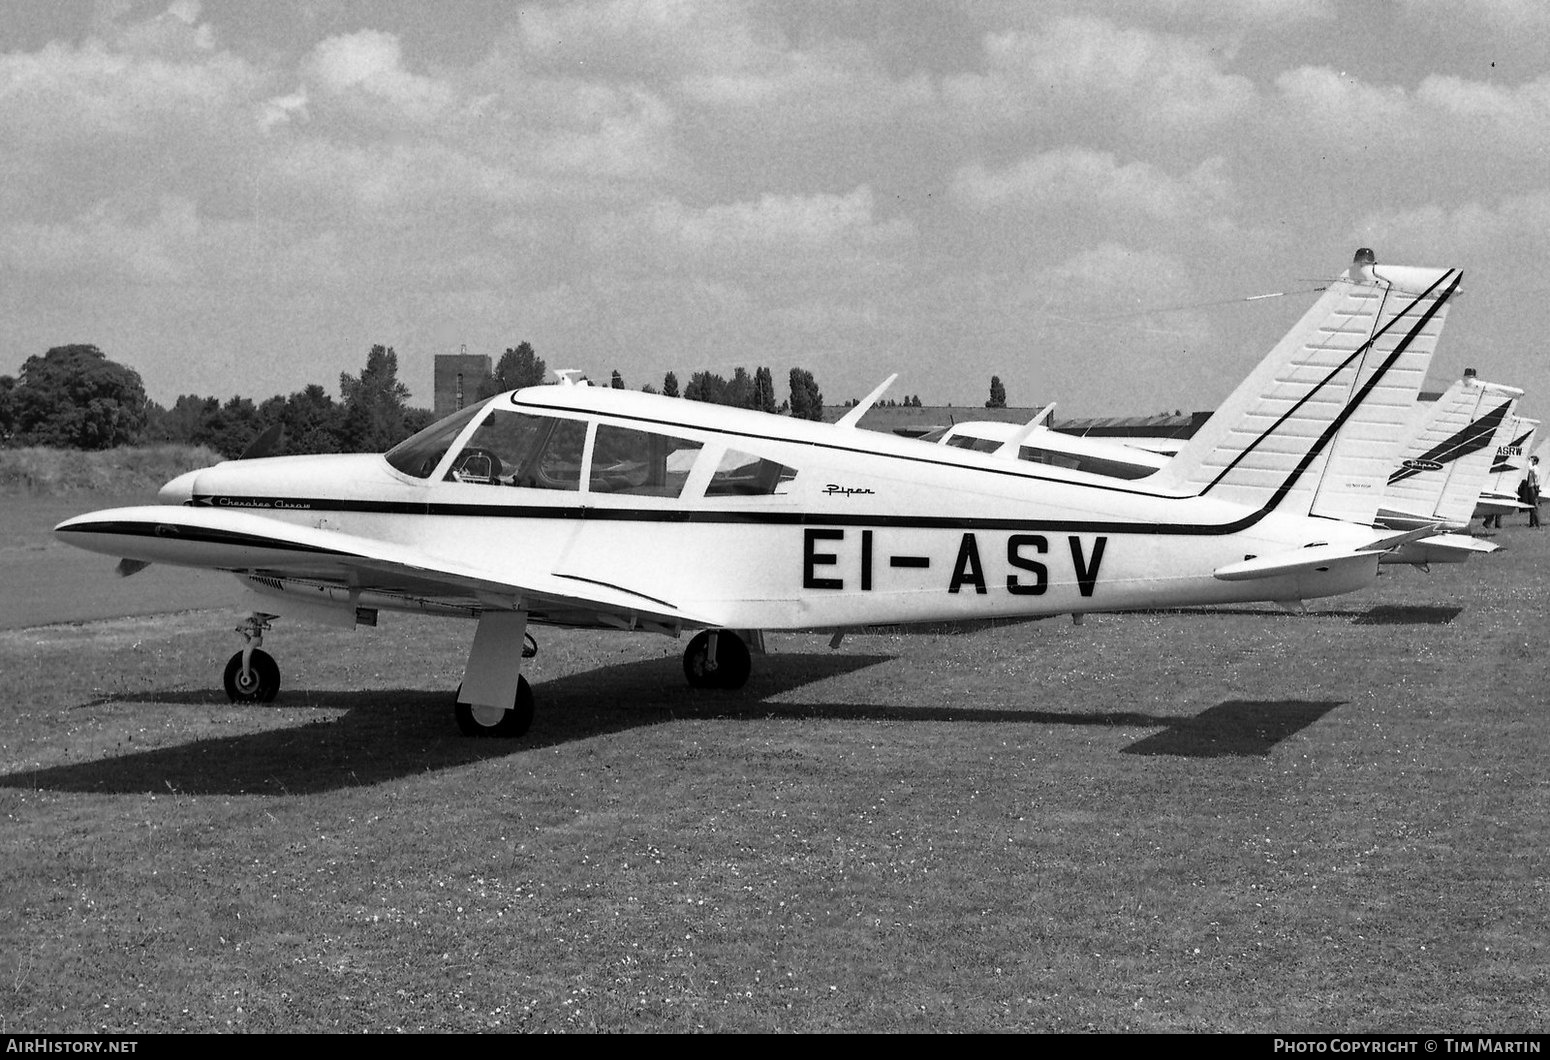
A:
(717, 658)
(252, 675)
(492, 678)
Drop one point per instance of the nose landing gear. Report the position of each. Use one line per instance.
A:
(252, 675)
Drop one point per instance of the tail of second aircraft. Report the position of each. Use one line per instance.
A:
(1499, 495)
(1447, 460)
(1317, 426)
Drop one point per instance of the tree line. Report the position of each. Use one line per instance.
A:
(75, 397)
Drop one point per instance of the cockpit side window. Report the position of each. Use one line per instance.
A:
(513, 448)
(640, 463)
(744, 475)
(419, 454)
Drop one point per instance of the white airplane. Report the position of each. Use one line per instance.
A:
(1500, 494)
(1447, 461)
(582, 506)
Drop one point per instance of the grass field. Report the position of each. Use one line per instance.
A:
(1230, 819)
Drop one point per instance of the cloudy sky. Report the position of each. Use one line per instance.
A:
(1084, 197)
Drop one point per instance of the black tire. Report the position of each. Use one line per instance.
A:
(259, 685)
(512, 723)
(732, 667)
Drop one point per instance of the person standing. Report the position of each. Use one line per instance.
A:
(1531, 484)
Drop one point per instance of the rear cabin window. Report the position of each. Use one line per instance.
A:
(640, 463)
(744, 475)
(520, 449)
(1096, 465)
(978, 445)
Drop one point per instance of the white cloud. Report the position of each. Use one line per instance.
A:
(643, 37)
(392, 183)
(282, 110)
(1446, 132)
(69, 93)
(784, 228)
(807, 222)
(1515, 226)
(1509, 16)
(1343, 105)
(600, 132)
(106, 244)
(1520, 113)
(1069, 178)
(366, 68)
(175, 32)
(1136, 77)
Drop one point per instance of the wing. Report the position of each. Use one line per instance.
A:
(264, 549)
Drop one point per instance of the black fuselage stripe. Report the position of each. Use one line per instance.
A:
(761, 518)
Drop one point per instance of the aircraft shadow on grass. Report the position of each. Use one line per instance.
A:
(391, 733)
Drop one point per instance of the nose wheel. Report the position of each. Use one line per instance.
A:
(252, 675)
(717, 658)
(256, 681)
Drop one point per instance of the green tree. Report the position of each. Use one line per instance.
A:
(7, 384)
(232, 428)
(739, 392)
(997, 394)
(373, 404)
(764, 390)
(617, 382)
(184, 422)
(73, 397)
(670, 385)
(806, 398)
(518, 367)
(312, 419)
(706, 386)
(417, 419)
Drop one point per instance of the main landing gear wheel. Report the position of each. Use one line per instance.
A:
(491, 721)
(259, 683)
(728, 669)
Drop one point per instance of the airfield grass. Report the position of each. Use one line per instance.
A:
(1228, 819)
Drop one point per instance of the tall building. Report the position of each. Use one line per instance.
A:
(458, 376)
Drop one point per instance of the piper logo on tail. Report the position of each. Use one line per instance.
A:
(1420, 465)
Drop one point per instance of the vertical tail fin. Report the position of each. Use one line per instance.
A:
(1316, 427)
(1448, 458)
(1511, 457)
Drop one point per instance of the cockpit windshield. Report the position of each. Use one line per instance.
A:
(419, 454)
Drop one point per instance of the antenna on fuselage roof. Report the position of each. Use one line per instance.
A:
(1012, 444)
(853, 417)
(572, 377)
